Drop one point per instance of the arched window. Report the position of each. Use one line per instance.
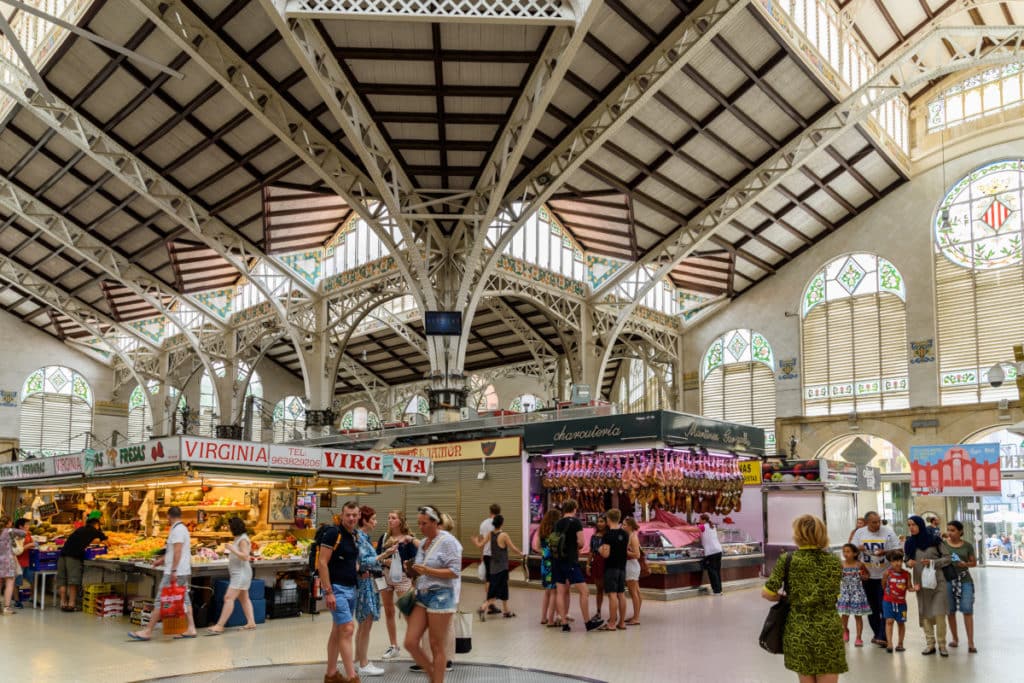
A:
(209, 411)
(482, 395)
(360, 419)
(289, 419)
(140, 414)
(543, 241)
(984, 93)
(854, 337)
(56, 411)
(640, 389)
(417, 405)
(526, 403)
(738, 382)
(978, 281)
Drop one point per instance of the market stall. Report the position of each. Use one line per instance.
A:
(274, 489)
(664, 469)
(825, 488)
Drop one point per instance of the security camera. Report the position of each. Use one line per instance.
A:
(996, 375)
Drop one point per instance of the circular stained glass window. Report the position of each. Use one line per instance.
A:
(978, 224)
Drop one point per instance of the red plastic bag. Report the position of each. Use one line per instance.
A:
(172, 600)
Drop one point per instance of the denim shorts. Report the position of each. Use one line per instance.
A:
(437, 600)
(966, 605)
(345, 597)
(614, 580)
(567, 572)
(895, 611)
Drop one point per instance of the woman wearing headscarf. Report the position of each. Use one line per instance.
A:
(924, 549)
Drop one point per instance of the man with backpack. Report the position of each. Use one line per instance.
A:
(337, 565)
(566, 542)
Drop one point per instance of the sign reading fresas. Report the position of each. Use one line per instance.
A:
(955, 470)
(503, 447)
(125, 457)
(751, 471)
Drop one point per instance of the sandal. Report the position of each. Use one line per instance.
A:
(482, 613)
(632, 622)
(954, 643)
(972, 650)
(247, 628)
(605, 627)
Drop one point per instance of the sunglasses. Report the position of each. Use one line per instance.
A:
(430, 512)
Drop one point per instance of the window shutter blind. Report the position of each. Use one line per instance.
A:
(54, 423)
(741, 392)
(139, 419)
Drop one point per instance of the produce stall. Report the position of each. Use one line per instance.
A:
(664, 469)
(271, 488)
(825, 488)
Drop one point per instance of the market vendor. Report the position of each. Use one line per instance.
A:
(70, 564)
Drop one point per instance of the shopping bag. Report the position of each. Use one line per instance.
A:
(481, 570)
(172, 608)
(396, 568)
(406, 602)
(463, 633)
(928, 579)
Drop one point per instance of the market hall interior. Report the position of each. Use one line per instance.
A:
(746, 258)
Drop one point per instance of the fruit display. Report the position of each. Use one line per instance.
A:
(204, 555)
(182, 498)
(43, 529)
(792, 471)
(276, 550)
(138, 549)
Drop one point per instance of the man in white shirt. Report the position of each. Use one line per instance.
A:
(874, 540)
(177, 563)
(486, 527)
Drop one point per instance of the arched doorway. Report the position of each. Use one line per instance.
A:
(893, 500)
(999, 533)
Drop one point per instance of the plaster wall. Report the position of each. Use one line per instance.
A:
(24, 348)
(899, 228)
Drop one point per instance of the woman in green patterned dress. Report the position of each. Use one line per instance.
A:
(813, 639)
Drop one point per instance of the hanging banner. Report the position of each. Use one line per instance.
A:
(955, 470)
(504, 447)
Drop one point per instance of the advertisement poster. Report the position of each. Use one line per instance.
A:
(955, 470)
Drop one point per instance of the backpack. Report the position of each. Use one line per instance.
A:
(314, 550)
(556, 542)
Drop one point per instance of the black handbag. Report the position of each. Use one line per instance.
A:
(775, 623)
(950, 573)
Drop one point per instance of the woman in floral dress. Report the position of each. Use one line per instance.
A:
(547, 578)
(813, 639)
(8, 561)
(367, 597)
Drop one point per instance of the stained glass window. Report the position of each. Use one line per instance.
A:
(738, 373)
(543, 241)
(526, 403)
(360, 419)
(640, 388)
(417, 405)
(56, 412)
(978, 272)
(482, 394)
(140, 414)
(854, 337)
(988, 92)
(289, 419)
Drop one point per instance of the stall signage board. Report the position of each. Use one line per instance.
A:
(69, 464)
(751, 471)
(869, 478)
(589, 433)
(26, 469)
(364, 462)
(503, 447)
(128, 457)
(700, 431)
(955, 469)
(46, 510)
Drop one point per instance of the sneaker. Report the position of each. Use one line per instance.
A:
(493, 610)
(370, 670)
(566, 628)
(858, 643)
(449, 665)
(594, 623)
(417, 668)
(390, 653)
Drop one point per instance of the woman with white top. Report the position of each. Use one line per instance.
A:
(712, 562)
(437, 568)
(633, 569)
(240, 575)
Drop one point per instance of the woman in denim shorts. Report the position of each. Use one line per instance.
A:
(437, 567)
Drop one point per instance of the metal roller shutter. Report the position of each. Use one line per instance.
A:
(443, 493)
(386, 499)
(504, 486)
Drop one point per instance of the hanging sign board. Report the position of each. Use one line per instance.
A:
(504, 447)
(369, 463)
(46, 510)
(26, 469)
(955, 470)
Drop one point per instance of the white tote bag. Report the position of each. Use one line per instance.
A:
(928, 579)
(481, 570)
(463, 633)
(396, 568)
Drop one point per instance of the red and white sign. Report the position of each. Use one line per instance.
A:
(362, 462)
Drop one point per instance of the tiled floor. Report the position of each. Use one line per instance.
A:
(702, 640)
(314, 673)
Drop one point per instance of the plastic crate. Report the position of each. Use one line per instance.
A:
(98, 589)
(43, 560)
(237, 618)
(282, 602)
(94, 551)
(256, 589)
